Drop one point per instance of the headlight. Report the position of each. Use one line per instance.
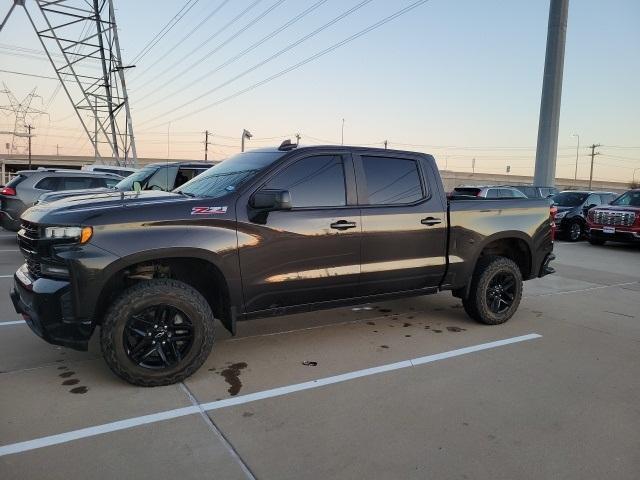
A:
(560, 215)
(83, 234)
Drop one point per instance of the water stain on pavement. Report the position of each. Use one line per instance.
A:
(406, 324)
(384, 310)
(66, 374)
(71, 381)
(231, 375)
(62, 367)
(437, 331)
(79, 390)
(384, 346)
(371, 323)
(247, 414)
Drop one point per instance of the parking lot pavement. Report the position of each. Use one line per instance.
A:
(562, 405)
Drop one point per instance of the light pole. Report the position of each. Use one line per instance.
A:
(342, 140)
(575, 175)
(634, 174)
(245, 134)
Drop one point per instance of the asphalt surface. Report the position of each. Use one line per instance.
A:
(557, 398)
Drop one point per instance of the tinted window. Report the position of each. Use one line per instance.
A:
(186, 174)
(76, 183)
(593, 199)
(506, 193)
(631, 198)
(162, 179)
(606, 198)
(466, 191)
(48, 183)
(569, 199)
(228, 175)
(530, 192)
(110, 182)
(16, 180)
(392, 180)
(492, 193)
(313, 182)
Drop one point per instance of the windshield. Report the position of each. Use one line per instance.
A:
(630, 199)
(569, 199)
(141, 176)
(229, 174)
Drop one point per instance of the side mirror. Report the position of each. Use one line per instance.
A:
(588, 207)
(137, 187)
(270, 200)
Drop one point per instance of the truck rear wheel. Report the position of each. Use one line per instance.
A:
(496, 290)
(157, 332)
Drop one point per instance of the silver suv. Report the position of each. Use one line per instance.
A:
(26, 187)
(497, 191)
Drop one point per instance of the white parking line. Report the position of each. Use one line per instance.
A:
(10, 250)
(13, 322)
(6, 276)
(251, 397)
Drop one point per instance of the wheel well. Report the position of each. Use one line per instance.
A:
(513, 248)
(202, 275)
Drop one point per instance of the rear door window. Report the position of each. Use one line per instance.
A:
(48, 183)
(77, 183)
(492, 193)
(313, 182)
(506, 193)
(392, 181)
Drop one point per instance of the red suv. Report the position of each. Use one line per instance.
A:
(618, 221)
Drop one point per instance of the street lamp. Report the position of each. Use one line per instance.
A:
(634, 174)
(245, 134)
(575, 175)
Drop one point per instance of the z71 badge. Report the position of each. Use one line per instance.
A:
(208, 210)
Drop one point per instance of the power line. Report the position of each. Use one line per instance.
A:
(164, 30)
(218, 32)
(211, 52)
(281, 52)
(183, 39)
(242, 53)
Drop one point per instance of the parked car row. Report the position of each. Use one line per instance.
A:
(598, 216)
(46, 185)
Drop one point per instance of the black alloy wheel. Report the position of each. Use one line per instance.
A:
(575, 231)
(158, 337)
(501, 292)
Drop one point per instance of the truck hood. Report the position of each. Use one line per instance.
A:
(76, 209)
(54, 196)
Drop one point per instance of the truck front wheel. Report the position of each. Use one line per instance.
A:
(157, 332)
(496, 290)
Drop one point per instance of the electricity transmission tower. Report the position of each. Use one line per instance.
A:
(20, 110)
(80, 39)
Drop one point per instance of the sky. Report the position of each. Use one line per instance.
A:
(459, 79)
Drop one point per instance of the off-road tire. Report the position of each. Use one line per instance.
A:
(148, 293)
(596, 241)
(476, 305)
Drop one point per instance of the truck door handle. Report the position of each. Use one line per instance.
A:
(343, 225)
(430, 221)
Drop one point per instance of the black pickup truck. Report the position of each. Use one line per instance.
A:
(266, 232)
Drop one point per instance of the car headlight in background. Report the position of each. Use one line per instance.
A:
(560, 215)
(82, 234)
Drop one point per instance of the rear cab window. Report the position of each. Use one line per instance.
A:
(392, 181)
(47, 183)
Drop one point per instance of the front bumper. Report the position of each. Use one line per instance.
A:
(624, 236)
(47, 307)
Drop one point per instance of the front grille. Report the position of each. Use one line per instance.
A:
(614, 218)
(28, 238)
